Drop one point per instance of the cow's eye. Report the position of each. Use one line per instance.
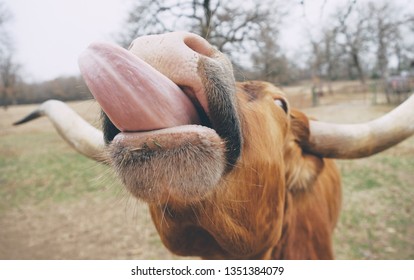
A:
(282, 104)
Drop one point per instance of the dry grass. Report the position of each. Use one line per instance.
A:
(57, 204)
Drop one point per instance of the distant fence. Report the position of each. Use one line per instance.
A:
(373, 91)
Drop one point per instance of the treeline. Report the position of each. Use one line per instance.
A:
(63, 88)
(353, 40)
(356, 40)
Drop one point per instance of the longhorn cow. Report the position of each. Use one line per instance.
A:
(228, 169)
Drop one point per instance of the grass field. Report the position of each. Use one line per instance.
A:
(377, 217)
(56, 204)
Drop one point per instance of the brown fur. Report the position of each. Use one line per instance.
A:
(240, 186)
(277, 203)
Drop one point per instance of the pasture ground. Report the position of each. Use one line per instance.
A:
(56, 204)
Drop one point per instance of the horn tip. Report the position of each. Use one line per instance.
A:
(34, 115)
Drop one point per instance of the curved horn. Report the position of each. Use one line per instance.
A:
(82, 136)
(349, 141)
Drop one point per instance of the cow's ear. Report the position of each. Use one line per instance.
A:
(302, 168)
(299, 126)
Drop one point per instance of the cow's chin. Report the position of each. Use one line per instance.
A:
(181, 164)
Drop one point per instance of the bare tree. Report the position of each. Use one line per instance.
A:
(360, 37)
(233, 28)
(325, 58)
(325, 52)
(387, 24)
(8, 69)
(269, 63)
(385, 29)
(8, 80)
(355, 37)
(332, 54)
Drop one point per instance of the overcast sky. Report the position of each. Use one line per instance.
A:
(49, 35)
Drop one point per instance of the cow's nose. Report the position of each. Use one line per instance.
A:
(174, 42)
(176, 48)
(204, 74)
(198, 44)
(177, 55)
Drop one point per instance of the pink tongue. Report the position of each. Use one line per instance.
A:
(134, 95)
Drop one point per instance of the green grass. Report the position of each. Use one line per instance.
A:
(377, 217)
(40, 167)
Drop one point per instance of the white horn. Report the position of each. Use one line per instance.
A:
(82, 136)
(349, 141)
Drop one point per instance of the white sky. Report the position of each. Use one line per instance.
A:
(49, 35)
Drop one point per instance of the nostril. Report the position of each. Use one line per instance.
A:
(199, 45)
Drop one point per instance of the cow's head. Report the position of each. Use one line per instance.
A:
(213, 158)
(205, 152)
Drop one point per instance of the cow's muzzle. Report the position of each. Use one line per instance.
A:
(171, 118)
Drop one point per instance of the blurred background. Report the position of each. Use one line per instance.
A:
(342, 61)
